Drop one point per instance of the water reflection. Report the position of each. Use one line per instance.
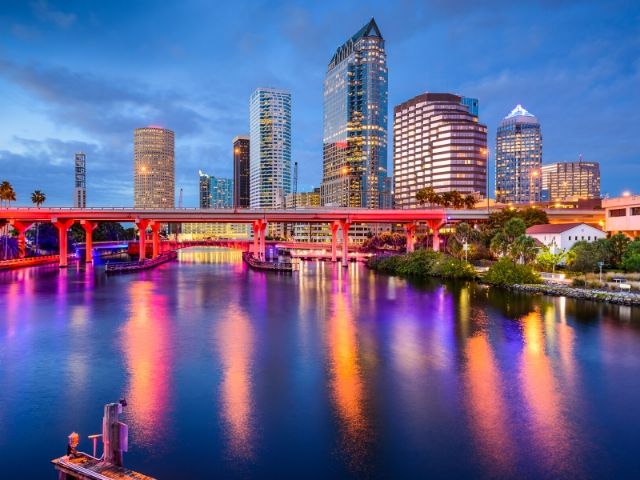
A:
(233, 336)
(146, 343)
(346, 382)
(547, 422)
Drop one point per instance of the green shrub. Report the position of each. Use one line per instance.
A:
(418, 263)
(578, 282)
(449, 267)
(506, 272)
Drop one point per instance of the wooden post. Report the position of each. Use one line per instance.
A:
(114, 441)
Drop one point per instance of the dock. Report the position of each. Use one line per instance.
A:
(147, 263)
(87, 467)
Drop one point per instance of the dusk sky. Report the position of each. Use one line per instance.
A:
(81, 75)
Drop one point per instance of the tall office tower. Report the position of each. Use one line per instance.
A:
(270, 153)
(518, 158)
(570, 181)
(355, 123)
(241, 172)
(154, 168)
(205, 190)
(472, 105)
(221, 192)
(437, 143)
(80, 191)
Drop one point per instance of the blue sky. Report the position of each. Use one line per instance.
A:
(82, 74)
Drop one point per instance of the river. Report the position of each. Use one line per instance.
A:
(326, 373)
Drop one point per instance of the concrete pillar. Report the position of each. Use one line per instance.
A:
(334, 241)
(155, 235)
(63, 227)
(410, 229)
(435, 226)
(21, 228)
(89, 227)
(256, 236)
(142, 240)
(263, 240)
(345, 243)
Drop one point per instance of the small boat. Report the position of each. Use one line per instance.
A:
(258, 264)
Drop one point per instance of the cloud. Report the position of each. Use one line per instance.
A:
(47, 13)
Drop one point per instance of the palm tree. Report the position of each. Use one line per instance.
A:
(446, 199)
(38, 198)
(523, 249)
(457, 200)
(469, 202)
(7, 194)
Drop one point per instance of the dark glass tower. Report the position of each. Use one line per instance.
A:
(241, 172)
(355, 123)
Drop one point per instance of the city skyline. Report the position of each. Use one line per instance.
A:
(64, 96)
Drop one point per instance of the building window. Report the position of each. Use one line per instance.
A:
(618, 212)
(569, 237)
(635, 210)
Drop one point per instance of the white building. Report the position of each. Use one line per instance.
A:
(564, 236)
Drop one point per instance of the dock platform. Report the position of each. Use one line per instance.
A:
(87, 467)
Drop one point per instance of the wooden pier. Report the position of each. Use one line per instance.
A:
(125, 267)
(87, 467)
(283, 267)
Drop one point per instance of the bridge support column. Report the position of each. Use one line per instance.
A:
(263, 240)
(334, 241)
(142, 238)
(435, 226)
(89, 227)
(21, 228)
(345, 243)
(256, 236)
(410, 229)
(63, 227)
(155, 237)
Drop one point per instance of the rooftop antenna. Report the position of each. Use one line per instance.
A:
(180, 199)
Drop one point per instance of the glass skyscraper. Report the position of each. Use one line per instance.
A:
(241, 172)
(518, 158)
(270, 152)
(570, 181)
(80, 191)
(215, 192)
(355, 123)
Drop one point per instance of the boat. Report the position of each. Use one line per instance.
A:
(124, 267)
(270, 266)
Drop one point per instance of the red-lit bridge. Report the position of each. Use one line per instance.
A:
(338, 219)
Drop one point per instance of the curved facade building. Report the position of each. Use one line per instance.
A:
(518, 158)
(154, 168)
(355, 123)
(270, 152)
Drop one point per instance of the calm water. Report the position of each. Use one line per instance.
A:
(232, 373)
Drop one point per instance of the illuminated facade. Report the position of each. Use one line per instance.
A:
(215, 192)
(518, 158)
(570, 181)
(241, 159)
(307, 232)
(80, 190)
(154, 168)
(438, 143)
(270, 153)
(205, 190)
(355, 123)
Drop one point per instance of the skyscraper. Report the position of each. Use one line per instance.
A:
(570, 181)
(80, 190)
(518, 158)
(270, 153)
(355, 122)
(438, 143)
(241, 159)
(205, 190)
(154, 168)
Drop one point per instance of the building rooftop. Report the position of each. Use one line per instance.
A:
(368, 30)
(555, 228)
(519, 115)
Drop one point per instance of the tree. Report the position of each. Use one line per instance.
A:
(504, 241)
(7, 195)
(464, 234)
(631, 257)
(585, 256)
(549, 258)
(523, 249)
(457, 200)
(618, 245)
(428, 195)
(38, 198)
(446, 199)
(469, 202)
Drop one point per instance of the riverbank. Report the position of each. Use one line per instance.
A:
(619, 298)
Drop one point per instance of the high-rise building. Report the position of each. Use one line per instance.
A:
(80, 190)
(205, 190)
(472, 104)
(241, 159)
(270, 153)
(215, 192)
(355, 122)
(518, 158)
(154, 168)
(570, 181)
(437, 143)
